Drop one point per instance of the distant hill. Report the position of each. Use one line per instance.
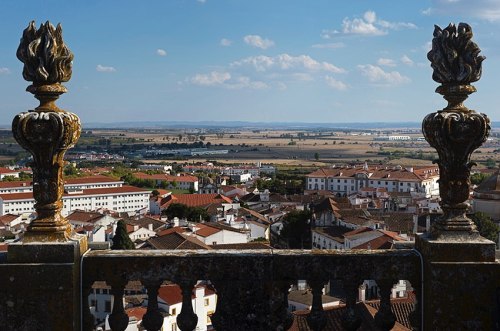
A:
(255, 125)
(261, 125)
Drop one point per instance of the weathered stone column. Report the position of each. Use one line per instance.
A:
(453, 249)
(49, 253)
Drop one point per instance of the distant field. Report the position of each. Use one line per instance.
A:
(295, 147)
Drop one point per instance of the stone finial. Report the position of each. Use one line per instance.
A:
(47, 132)
(47, 60)
(454, 56)
(455, 131)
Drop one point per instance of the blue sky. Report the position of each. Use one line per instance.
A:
(260, 60)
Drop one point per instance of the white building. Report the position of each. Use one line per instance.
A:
(170, 300)
(158, 167)
(120, 199)
(350, 179)
(254, 171)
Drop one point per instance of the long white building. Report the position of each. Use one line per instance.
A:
(87, 193)
(350, 179)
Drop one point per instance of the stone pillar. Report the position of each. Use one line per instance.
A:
(50, 251)
(455, 293)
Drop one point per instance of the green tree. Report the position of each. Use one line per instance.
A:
(121, 240)
(316, 156)
(490, 163)
(178, 210)
(486, 227)
(297, 229)
(478, 178)
(197, 214)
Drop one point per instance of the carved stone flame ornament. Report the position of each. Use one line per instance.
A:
(47, 131)
(456, 131)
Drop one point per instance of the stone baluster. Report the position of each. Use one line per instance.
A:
(187, 319)
(281, 318)
(118, 320)
(88, 321)
(415, 316)
(351, 320)
(153, 319)
(221, 319)
(385, 318)
(316, 318)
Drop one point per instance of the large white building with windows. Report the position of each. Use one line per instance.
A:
(86, 193)
(346, 180)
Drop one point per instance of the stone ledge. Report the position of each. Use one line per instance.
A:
(456, 249)
(42, 252)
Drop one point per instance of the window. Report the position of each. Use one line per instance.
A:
(107, 306)
(93, 303)
(174, 311)
(174, 326)
(207, 302)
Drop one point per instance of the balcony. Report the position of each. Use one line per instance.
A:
(46, 279)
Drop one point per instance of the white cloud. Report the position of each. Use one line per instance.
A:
(329, 45)
(102, 68)
(303, 76)
(427, 11)
(483, 9)
(225, 42)
(4, 71)
(211, 79)
(386, 62)
(406, 60)
(368, 25)
(285, 61)
(246, 82)
(335, 84)
(161, 52)
(258, 41)
(376, 74)
(226, 80)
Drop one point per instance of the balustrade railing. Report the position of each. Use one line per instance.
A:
(251, 286)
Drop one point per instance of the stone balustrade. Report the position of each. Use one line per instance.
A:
(251, 285)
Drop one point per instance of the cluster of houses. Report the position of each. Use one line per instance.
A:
(355, 207)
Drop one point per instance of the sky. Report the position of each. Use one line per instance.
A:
(316, 61)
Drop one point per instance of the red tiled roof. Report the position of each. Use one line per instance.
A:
(382, 242)
(195, 200)
(334, 317)
(5, 171)
(137, 312)
(177, 229)
(206, 231)
(84, 216)
(175, 240)
(7, 218)
(171, 294)
(24, 183)
(357, 231)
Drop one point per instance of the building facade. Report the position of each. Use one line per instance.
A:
(347, 180)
